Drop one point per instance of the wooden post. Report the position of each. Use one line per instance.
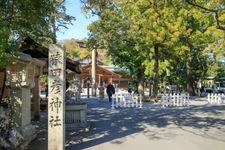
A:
(56, 98)
(93, 71)
(88, 87)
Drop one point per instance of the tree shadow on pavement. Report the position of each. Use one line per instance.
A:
(114, 125)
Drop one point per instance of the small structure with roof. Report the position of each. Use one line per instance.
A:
(104, 73)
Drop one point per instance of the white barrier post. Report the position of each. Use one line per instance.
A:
(140, 101)
(183, 103)
(168, 99)
(222, 98)
(173, 99)
(123, 101)
(132, 101)
(178, 99)
(208, 98)
(219, 99)
(188, 99)
(117, 100)
(120, 101)
(163, 101)
(113, 99)
(137, 101)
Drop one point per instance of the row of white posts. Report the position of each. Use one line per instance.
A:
(175, 100)
(126, 100)
(216, 98)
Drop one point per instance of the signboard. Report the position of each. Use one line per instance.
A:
(56, 96)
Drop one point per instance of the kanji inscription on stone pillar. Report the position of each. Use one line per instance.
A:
(56, 96)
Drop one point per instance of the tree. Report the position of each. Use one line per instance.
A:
(161, 28)
(215, 7)
(146, 34)
(22, 18)
(131, 29)
(115, 34)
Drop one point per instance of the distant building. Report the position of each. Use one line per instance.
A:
(104, 73)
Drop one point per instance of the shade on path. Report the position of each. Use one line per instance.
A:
(198, 127)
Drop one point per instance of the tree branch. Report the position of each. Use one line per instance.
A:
(201, 7)
(219, 26)
(85, 6)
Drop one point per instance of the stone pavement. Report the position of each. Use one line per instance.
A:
(198, 127)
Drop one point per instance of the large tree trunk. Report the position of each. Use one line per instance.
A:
(140, 81)
(156, 71)
(189, 82)
(187, 71)
(2, 83)
(191, 87)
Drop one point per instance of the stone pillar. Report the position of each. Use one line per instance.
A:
(21, 110)
(56, 98)
(93, 71)
(20, 80)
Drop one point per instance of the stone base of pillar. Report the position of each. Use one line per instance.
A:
(21, 137)
(29, 133)
(76, 116)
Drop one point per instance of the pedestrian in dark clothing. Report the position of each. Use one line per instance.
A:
(202, 89)
(110, 90)
(129, 88)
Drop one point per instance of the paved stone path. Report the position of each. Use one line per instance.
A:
(198, 127)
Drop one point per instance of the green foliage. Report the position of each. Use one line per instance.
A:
(168, 40)
(220, 71)
(72, 54)
(22, 18)
(119, 37)
(213, 7)
(44, 79)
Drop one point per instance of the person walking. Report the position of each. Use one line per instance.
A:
(110, 90)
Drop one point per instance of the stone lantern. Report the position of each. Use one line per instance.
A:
(20, 80)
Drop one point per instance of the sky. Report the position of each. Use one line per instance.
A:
(79, 28)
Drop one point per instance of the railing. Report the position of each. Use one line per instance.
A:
(126, 100)
(216, 98)
(175, 100)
